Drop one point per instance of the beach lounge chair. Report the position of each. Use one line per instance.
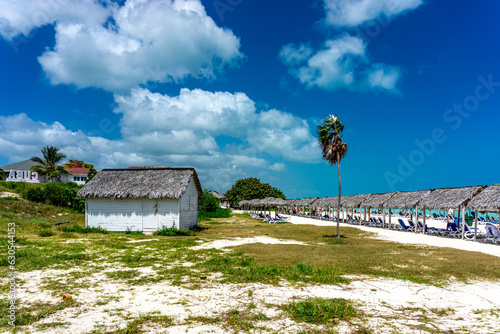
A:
(431, 230)
(373, 222)
(492, 233)
(403, 227)
(412, 225)
(455, 231)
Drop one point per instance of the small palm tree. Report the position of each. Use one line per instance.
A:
(334, 150)
(49, 164)
(2, 174)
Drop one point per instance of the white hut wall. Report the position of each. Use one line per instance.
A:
(135, 214)
(189, 207)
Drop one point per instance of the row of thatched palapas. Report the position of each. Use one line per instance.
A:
(478, 198)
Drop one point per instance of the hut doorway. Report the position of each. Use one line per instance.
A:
(149, 214)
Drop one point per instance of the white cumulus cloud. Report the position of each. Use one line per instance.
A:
(101, 44)
(351, 13)
(341, 63)
(20, 17)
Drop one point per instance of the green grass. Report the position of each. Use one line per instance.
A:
(238, 268)
(29, 315)
(81, 229)
(136, 325)
(321, 311)
(172, 232)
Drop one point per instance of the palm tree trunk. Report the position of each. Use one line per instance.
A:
(338, 206)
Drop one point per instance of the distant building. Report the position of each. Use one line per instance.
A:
(77, 175)
(142, 199)
(21, 172)
(223, 201)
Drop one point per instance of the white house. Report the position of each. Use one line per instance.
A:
(77, 175)
(142, 199)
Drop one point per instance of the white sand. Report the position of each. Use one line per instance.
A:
(5, 194)
(223, 243)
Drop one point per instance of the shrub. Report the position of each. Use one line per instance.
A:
(172, 232)
(129, 231)
(54, 193)
(35, 194)
(321, 311)
(208, 202)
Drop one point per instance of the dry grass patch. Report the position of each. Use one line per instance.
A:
(358, 254)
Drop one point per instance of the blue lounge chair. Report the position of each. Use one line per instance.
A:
(412, 225)
(402, 226)
(431, 230)
(455, 232)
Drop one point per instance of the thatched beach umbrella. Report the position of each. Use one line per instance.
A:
(354, 201)
(487, 200)
(306, 202)
(451, 198)
(406, 199)
(329, 202)
(377, 201)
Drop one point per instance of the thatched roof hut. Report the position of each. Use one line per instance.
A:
(149, 182)
(450, 198)
(142, 199)
(218, 195)
(486, 200)
(406, 199)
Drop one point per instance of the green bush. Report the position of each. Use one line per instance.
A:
(321, 311)
(59, 194)
(208, 202)
(35, 194)
(219, 213)
(54, 193)
(172, 232)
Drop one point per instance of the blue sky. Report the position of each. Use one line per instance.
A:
(236, 88)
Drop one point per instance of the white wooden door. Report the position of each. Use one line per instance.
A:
(149, 213)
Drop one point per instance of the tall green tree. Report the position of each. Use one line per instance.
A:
(251, 188)
(334, 150)
(48, 164)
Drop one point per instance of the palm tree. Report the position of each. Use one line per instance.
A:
(2, 174)
(334, 149)
(48, 165)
